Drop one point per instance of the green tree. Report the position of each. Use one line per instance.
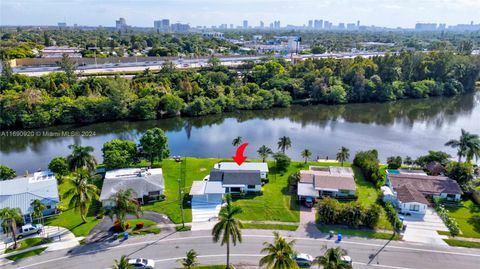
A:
(237, 141)
(190, 260)
(306, 154)
(69, 67)
(59, 166)
(392, 217)
(343, 154)
(332, 259)
(38, 208)
(282, 161)
(81, 158)
(154, 144)
(264, 152)
(124, 203)
(122, 263)
(6, 172)
(468, 145)
(228, 228)
(279, 254)
(372, 216)
(284, 143)
(408, 161)
(394, 162)
(433, 156)
(119, 153)
(214, 62)
(462, 173)
(11, 217)
(82, 193)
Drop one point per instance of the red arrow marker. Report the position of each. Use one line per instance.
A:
(239, 158)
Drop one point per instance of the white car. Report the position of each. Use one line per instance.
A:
(29, 229)
(347, 260)
(142, 263)
(303, 260)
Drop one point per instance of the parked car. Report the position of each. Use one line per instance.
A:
(142, 263)
(309, 202)
(347, 260)
(29, 229)
(303, 260)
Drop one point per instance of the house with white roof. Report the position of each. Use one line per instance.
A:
(20, 192)
(232, 166)
(147, 184)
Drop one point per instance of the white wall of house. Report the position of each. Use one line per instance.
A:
(413, 207)
(454, 198)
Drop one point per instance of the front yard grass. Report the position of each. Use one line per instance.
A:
(29, 242)
(359, 233)
(70, 218)
(27, 254)
(461, 243)
(468, 218)
(286, 227)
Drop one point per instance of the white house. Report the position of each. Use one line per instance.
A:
(326, 181)
(146, 184)
(232, 166)
(21, 191)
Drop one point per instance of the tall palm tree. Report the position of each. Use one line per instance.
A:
(38, 208)
(468, 145)
(227, 230)
(332, 259)
(264, 152)
(306, 154)
(343, 154)
(122, 263)
(279, 254)
(284, 143)
(81, 158)
(82, 192)
(124, 204)
(190, 260)
(10, 217)
(237, 141)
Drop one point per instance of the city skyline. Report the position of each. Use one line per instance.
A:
(383, 13)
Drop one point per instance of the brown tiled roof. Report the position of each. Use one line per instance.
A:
(328, 180)
(408, 194)
(426, 184)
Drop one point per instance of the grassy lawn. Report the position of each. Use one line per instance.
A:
(146, 222)
(147, 228)
(360, 233)
(70, 218)
(179, 228)
(29, 242)
(461, 243)
(196, 169)
(285, 227)
(30, 253)
(468, 218)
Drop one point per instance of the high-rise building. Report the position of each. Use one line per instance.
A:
(358, 24)
(442, 26)
(62, 25)
(245, 24)
(231, 25)
(310, 24)
(121, 24)
(318, 24)
(276, 24)
(327, 25)
(351, 26)
(262, 25)
(180, 27)
(425, 27)
(341, 26)
(162, 25)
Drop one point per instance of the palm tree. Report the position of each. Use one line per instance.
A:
(124, 204)
(306, 153)
(237, 141)
(81, 158)
(279, 254)
(284, 143)
(122, 263)
(343, 154)
(10, 217)
(264, 151)
(82, 192)
(190, 260)
(468, 145)
(38, 208)
(228, 227)
(332, 259)
(408, 161)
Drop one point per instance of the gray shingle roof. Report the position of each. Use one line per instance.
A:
(128, 179)
(236, 177)
(426, 184)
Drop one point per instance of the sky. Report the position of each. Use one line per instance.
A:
(390, 13)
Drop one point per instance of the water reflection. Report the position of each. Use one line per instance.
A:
(357, 125)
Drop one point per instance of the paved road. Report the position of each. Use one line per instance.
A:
(166, 249)
(179, 63)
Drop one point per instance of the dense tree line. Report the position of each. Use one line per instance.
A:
(59, 98)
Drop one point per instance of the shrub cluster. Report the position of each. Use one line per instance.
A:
(451, 223)
(368, 162)
(392, 216)
(330, 211)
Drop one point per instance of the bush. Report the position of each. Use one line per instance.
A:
(451, 223)
(139, 225)
(330, 211)
(367, 161)
(282, 160)
(392, 216)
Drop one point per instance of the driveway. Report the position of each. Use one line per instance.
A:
(307, 218)
(423, 229)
